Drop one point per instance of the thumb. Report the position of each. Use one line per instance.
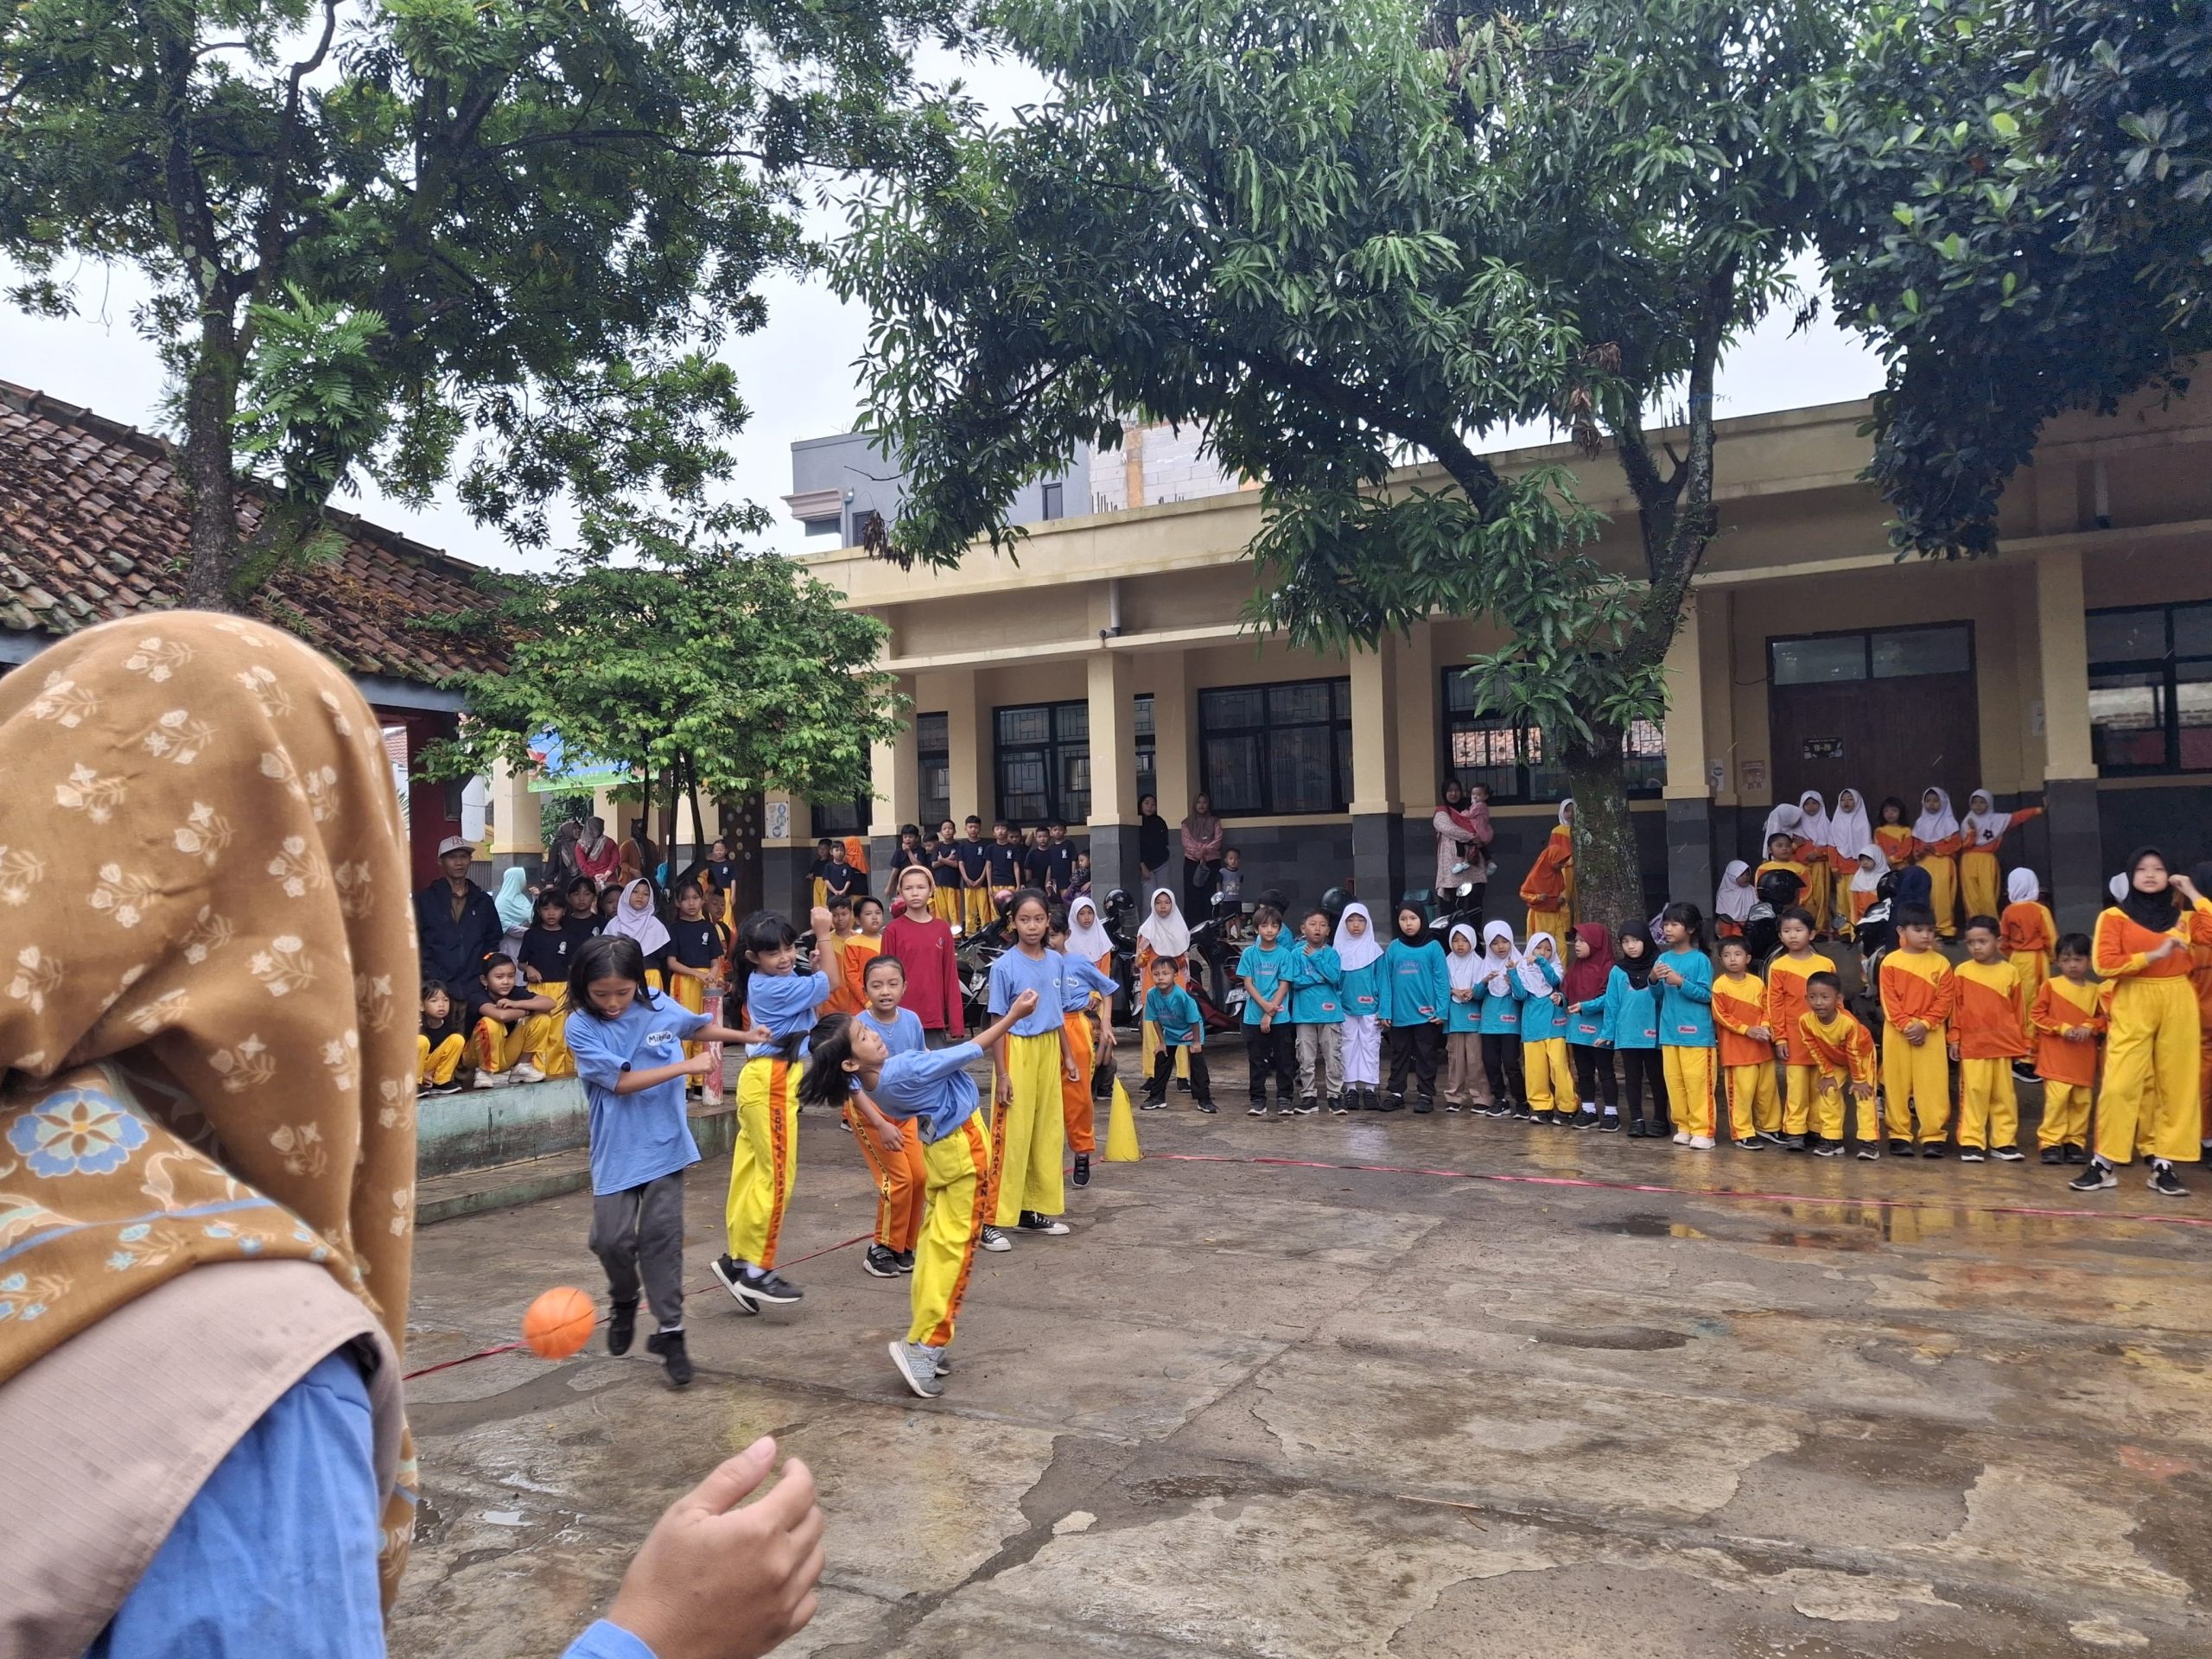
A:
(729, 1483)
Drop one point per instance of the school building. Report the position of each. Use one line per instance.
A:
(2073, 671)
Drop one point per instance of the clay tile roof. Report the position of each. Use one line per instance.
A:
(92, 526)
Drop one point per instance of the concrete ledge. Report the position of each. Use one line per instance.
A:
(470, 1190)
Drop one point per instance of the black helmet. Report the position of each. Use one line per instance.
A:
(1332, 905)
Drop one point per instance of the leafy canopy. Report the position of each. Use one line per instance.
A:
(2018, 209)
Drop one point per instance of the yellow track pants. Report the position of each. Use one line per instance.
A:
(765, 1161)
(1550, 1073)
(2065, 1114)
(2151, 1048)
(1028, 1134)
(1754, 1104)
(959, 1205)
(436, 1066)
(1800, 1087)
(1915, 1080)
(1689, 1073)
(1989, 1111)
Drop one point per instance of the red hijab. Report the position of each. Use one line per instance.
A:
(1585, 976)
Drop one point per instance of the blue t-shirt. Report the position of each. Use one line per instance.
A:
(1363, 989)
(932, 1087)
(1175, 1012)
(1503, 993)
(1317, 979)
(1685, 1010)
(1264, 969)
(785, 1004)
(1016, 972)
(1542, 1018)
(641, 1137)
(1629, 1014)
(1416, 986)
(1083, 978)
(1461, 1017)
(903, 1035)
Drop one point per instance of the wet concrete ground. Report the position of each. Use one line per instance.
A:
(1264, 1410)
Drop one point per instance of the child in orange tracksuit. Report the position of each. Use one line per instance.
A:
(2029, 933)
(1919, 993)
(1989, 1031)
(2068, 1016)
(1841, 1053)
(1786, 978)
(1746, 1048)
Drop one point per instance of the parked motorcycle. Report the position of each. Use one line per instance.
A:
(1216, 943)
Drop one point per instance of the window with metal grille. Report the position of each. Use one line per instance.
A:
(1042, 761)
(1278, 749)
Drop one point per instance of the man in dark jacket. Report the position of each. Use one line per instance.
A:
(454, 920)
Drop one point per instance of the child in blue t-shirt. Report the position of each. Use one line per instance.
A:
(1684, 977)
(1269, 1045)
(1172, 1013)
(1500, 1022)
(1463, 1025)
(1416, 998)
(628, 1041)
(1317, 1017)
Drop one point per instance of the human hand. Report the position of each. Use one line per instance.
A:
(1070, 1070)
(1915, 1032)
(2077, 1033)
(714, 1581)
(756, 1034)
(1780, 1051)
(2185, 887)
(1022, 1005)
(889, 1137)
(1266, 1022)
(818, 919)
(1002, 1089)
(1761, 1033)
(1951, 1050)
(699, 1065)
(1862, 1091)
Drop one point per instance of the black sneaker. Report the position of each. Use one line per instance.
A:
(669, 1345)
(1149, 1104)
(2007, 1154)
(1183, 1084)
(1971, 1155)
(1899, 1148)
(880, 1261)
(1452, 1106)
(1339, 1108)
(2165, 1183)
(2076, 1154)
(1285, 1107)
(1207, 1107)
(1308, 1106)
(1610, 1123)
(621, 1326)
(767, 1285)
(905, 1260)
(2052, 1155)
(1869, 1155)
(1829, 1149)
(1636, 1129)
(2097, 1177)
(1425, 1105)
(1932, 1149)
(1751, 1143)
(1797, 1142)
(1579, 1120)
(732, 1274)
(2023, 1071)
(1523, 1114)
(1386, 1103)
(1082, 1169)
(993, 1239)
(1258, 1108)
(1031, 1222)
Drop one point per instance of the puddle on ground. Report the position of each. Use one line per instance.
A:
(1625, 1338)
(1645, 1226)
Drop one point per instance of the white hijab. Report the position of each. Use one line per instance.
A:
(1989, 827)
(2118, 887)
(2021, 887)
(1532, 968)
(1940, 825)
(1087, 941)
(639, 925)
(1816, 828)
(1168, 935)
(1866, 880)
(1497, 972)
(1356, 953)
(1736, 895)
(1785, 820)
(1849, 830)
(1466, 971)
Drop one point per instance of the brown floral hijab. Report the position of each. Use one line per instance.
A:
(207, 981)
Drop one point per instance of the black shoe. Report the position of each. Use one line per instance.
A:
(1972, 1155)
(1636, 1129)
(1791, 1143)
(880, 1261)
(1580, 1120)
(1082, 1169)
(1751, 1143)
(2023, 1071)
(2053, 1155)
(1259, 1106)
(1030, 1221)
(1425, 1105)
(2007, 1154)
(1388, 1103)
(1452, 1106)
(905, 1260)
(1153, 1103)
(2163, 1183)
(1610, 1123)
(1308, 1106)
(1207, 1107)
(767, 1285)
(669, 1345)
(1900, 1148)
(1183, 1084)
(621, 1326)
(1932, 1149)
(1340, 1106)
(732, 1274)
(2076, 1154)
(1521, 1114)
(2097, 1177)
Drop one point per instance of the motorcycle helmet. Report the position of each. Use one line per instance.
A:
(1332, 905)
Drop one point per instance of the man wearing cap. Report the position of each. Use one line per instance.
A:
(455, 921)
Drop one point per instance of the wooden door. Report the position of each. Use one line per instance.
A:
(1883, 736)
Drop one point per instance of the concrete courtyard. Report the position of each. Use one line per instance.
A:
(1590, 1405)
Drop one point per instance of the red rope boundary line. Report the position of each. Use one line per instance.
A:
(510, 1347)
(2049, 1212)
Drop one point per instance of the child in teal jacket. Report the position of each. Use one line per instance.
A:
(1416, 992)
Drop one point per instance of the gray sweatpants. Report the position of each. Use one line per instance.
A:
(640, 1231)
(1320, 1062)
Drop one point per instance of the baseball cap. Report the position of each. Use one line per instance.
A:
(456, 844)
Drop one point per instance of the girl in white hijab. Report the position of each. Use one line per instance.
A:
(1463, 1042)
(1499, 967)
(1087, 940)
(1785, 819)
(2030, 934)
(1849, 827)
(1936, 830)
(634, 918)
(1733, 899)
(1985, 830)
(1357, 952)
(1863, 888)
(1163, 933)
(1813, 838)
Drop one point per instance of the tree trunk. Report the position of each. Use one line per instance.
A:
(1607, 887)
(210, 475)
(741, 824)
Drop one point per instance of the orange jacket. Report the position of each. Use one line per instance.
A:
(1843, 1049)
(1919, 985)
(2123, 947)
(2027, 925)
(1990, 1017)
(2061, 1003)
(1785, 996)
(1739, 1005)
(848, 973)
(1545, 887)
(1896, 840)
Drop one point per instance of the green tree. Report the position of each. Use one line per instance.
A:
(706, 669)
(2016, 208)
(417, 239)
(1343, 239)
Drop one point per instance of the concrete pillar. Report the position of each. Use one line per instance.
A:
(967, 749)
(1111, 690)
(1688, 791)
(2069, 770)
(517, 835)
(1166, 676)
(895, 775)
(1378, 837)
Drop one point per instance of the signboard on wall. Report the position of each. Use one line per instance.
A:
(1753, 774)
(778, 824)
(1824, 748)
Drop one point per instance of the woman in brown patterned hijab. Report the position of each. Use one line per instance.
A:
(206, 1090)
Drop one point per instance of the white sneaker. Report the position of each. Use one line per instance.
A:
(994, 1239)
(1682, 1138)
(525, 1072)
(485, 1080)
(1701, 1143)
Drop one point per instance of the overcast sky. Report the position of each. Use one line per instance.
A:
(797, 373)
